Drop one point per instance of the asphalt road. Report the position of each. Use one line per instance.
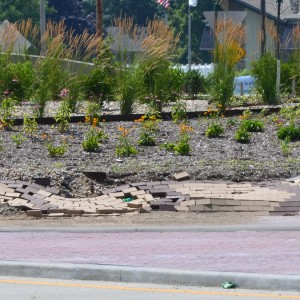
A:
(36, 289)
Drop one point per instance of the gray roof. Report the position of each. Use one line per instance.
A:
(10, 37)
(271, 8)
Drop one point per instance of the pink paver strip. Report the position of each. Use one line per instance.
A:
(250, 252)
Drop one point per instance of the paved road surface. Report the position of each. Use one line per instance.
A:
(36, 289)
(243, 251)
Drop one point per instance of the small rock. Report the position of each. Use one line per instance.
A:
(181, 176)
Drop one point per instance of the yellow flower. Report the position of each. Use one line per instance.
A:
(121, 128)
(87, 120)
(95, 122)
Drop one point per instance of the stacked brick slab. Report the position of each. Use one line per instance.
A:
(270, 198)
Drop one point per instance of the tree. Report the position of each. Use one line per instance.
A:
(16, 10)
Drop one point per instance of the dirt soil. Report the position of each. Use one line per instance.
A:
(153, 219)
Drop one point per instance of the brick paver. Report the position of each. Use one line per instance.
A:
(266, 198)
(250, 252)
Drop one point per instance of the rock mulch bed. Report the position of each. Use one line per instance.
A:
(279, 198)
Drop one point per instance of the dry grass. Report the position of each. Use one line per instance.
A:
(230, 38)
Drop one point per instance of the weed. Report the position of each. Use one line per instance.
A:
(286, 146)
(93, 111)
(63, 116)
(56, 151)
(18, 139)
(179, 112)
(214, 130)
(6, 113)
(242, 135)
(30, 126)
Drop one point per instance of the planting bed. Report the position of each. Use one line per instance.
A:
(80, 173)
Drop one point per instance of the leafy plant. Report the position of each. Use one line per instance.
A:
(179, 112)
(146, 139)
(6, 113)
(56, 151)
(194, 83)
(130, 86)
(264, 70)
(286, 146)
(17, 78)
(125, 147)
(290, 132)
(182, 147)
(290, 113)
(148, 125)
(231, 122)
(93, 111)
(253, 125)
(100, 82)
(92, 139)
(242, 135)
(214, 130)
(30, 126)
(63, 115)
(18, 139)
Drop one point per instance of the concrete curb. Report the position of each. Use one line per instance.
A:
(118, 229)
(148, 275)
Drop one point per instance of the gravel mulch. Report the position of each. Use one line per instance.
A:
(210, 159)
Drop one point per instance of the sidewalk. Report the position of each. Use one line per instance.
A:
(253, 259)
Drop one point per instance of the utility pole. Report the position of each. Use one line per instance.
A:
(279, 2)
(192, 3)
(99, 18)
(42, 26)
(189, 40)
(263, 27)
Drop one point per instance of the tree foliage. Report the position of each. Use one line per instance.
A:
(16, 10)
(178, 19)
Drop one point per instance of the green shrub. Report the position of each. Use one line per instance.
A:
(99, 84)
(253, 125)
(265, 72)
(214, 130)
(146, 139)
(290, 132)
(91, 140)
(242, 135)
(17, 79)
(56, 151)
(194, 83)
(129, 87)
(50, 79)
(6, 112)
